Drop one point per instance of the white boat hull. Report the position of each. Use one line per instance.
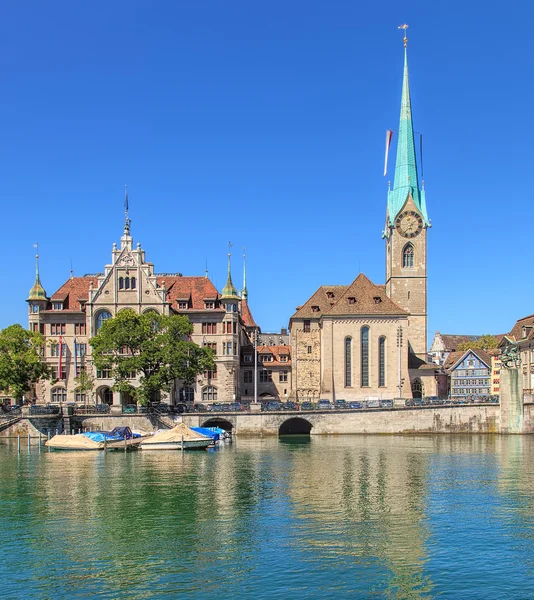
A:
(188, 445)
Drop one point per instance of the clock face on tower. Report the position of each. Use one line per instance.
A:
(409, 224)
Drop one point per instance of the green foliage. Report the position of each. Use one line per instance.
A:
(484, 342)
(152, 346)
(21, 364)
(85, 383)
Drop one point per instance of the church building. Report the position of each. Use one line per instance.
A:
(365, 340)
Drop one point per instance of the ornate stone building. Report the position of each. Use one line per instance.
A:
(360, 340)
(76, 311)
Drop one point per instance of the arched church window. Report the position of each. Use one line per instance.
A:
(121, 283)
(407, 256)
(102, 316)
(348, 362)
(126, 283)
(382, 361)
(132, 283)
(365, 356)
(59, 394)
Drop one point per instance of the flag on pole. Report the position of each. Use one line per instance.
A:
(389, 135)
(60, 356)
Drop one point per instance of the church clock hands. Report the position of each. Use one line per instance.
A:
(409, 224)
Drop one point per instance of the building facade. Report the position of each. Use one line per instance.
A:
(470, 374)
(77, 310)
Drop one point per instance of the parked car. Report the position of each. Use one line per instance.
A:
(200, 408)
(290, 405)
(372, 402)
(307, 406)
(355, 405)
(128, 409)
(102, 408)
(340, 403)
(387, 403)
(324, 405)
(216, 407)
(236, 406)
(226, 407)
(274, 406)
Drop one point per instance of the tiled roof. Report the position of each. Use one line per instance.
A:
(192, 289)
(74, 290)
(451, 342)
(276, 351)
(517, 330)
(361, 297)
(246, 315)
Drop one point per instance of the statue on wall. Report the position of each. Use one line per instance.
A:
(510, 357)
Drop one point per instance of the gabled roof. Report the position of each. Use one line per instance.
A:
(455, 358)
(74, 292)
(321, 298)
(361, 297)
(194, 289)
(452, 341)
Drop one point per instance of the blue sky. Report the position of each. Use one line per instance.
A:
(263, 123)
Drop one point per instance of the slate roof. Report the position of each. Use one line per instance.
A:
(361, 297)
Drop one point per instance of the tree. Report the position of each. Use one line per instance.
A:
(484, 342)
(84, 384)
(153, 347)
(21, 363)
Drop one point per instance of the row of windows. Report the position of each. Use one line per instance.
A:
(61, 328)
(470, 382)
(364, 360)
(463, 391)
(80, 349)
(127, 283)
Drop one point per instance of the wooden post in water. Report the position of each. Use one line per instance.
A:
(28, 441)
(182, 445)
(48, 434)
(125, 444)
(105, 444)
(18, 444)
(39, 439)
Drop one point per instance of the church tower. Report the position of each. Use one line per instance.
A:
(406, 230)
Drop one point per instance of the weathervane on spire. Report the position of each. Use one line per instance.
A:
(127, 220)
(405, 39)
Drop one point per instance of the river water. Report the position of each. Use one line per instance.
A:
(326, 517)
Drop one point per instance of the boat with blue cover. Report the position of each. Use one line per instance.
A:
(118, 438)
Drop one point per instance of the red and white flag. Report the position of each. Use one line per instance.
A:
(389, 135)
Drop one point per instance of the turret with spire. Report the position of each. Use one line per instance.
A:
(37, 292)
(229, 292)
(406, 180)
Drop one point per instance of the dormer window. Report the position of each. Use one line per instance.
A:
(330, 294)
(315, 308)
(209, 305)
(182, 306)
(283, 357)
(351, 300)
(377, 299)
(57, 305)
(266, 358)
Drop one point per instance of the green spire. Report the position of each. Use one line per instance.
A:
(406, 177)
(229, 290)
(37, 292)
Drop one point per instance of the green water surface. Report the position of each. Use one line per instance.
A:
(326, 517)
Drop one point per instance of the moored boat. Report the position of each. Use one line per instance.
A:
(119, 438)
(180, 437)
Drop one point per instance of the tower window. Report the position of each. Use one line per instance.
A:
(407, 256)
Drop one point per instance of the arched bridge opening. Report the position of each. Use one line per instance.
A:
(295, 426)
(218, 422)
